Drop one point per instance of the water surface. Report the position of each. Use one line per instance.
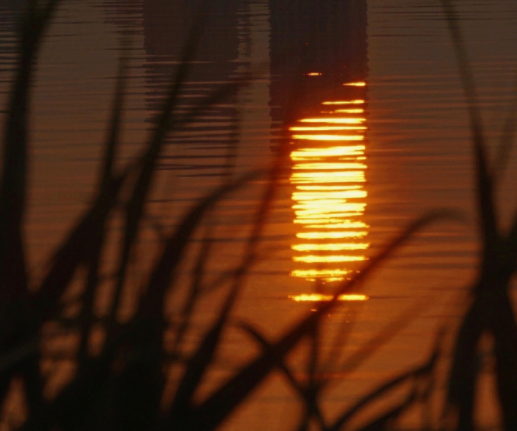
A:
(368, 97)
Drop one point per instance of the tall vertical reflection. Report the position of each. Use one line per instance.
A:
(329, 197)
(319, 69)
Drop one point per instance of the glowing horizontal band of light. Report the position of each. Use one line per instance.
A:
(333, 174)
(345, 102)
(329, 137)
(324, 128)
(330, 247)
(341, 150)
(319, 272)
(330, 180)
(331, 235)
(331, 165)
(346, 194)
(349, 111)
(356, 84)
(326, 206)
(337, 226)
(317, 297)
(329, 188)
(322, 217)
(317, 217)
(314, 74)
(333, 179)
(328, 259)
(335, 120)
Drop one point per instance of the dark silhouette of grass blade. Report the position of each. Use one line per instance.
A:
(310, 402)
(14, 281)
(147, 166)
(417, 373)
(507, 139)
(161, 278)
(490, 310)
(106, 174)
(387, 420)
(483, 178)
(74, 252)
(216, 408)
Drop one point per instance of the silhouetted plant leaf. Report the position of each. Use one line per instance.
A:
(483, 180)
(74, 252)
(147, 166)
(106, 173)
(211, 412)
(14, 294)
(386, 421)
(380, 391)
(309, 401)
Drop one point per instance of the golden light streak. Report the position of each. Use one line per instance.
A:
(324, 128)
(331, 235)
(334, 120)
(349, 111)
(325, 187)
(330, 247)
(336, 177)
(317, 219)
(314, 74)
(317, 297)
(346, 194)
(337, 166)
(356, 84)
(311, 214)
(319, 273)
(350, 150)
(326, 258)
(309, 225)
(327, 175)
(329, 137)
(321, 206)
(345, 102)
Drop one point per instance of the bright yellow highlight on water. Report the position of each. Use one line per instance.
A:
(356, 84)
(328, 259)
(329, 137)
(317, 297)
(324, 128)
(334, 120)
(325, 153)
(334, 166)
(345, 102)
(349, 111)
(329, 197)
(329, 247)
(331, 235)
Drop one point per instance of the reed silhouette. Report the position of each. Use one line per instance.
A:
(122, 386)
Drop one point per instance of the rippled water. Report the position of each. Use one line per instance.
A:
(365, 159)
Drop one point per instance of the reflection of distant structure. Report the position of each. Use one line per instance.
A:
(10, 11)
(313, 36)
(125, 14)
(167, 28)
(12, 5)
(316, 48)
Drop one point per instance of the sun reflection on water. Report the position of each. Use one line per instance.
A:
(329, 198)
(317, 297)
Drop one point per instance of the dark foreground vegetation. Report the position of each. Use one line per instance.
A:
(122, 384)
